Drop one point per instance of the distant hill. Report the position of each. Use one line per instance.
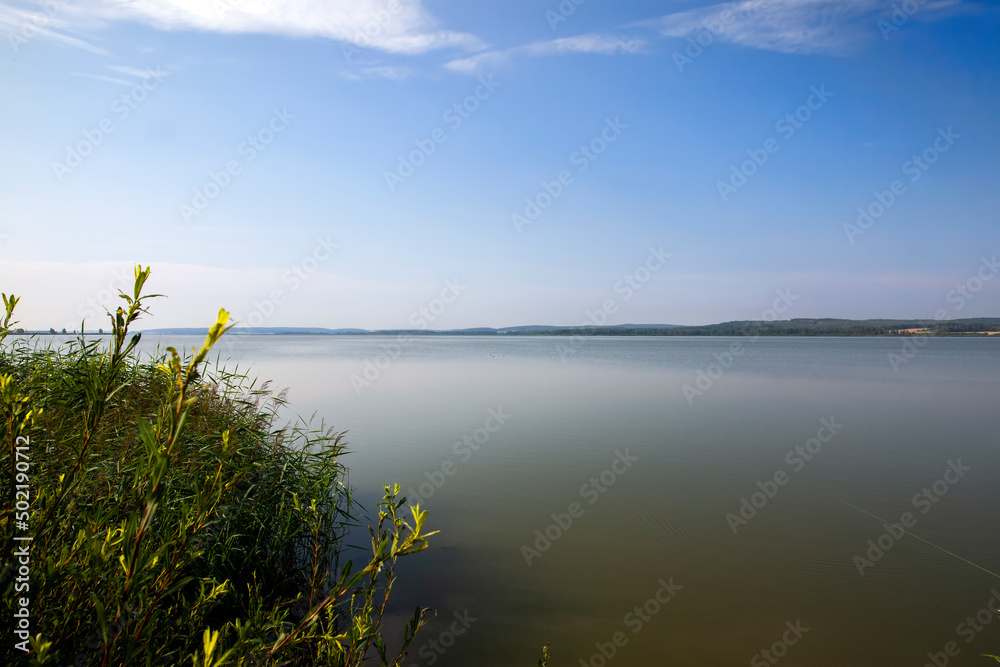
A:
(319, 331)
(794, 327)
(536, 328)
(802, 327)
(259, 331)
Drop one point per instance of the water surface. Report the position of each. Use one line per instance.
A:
(664, 521)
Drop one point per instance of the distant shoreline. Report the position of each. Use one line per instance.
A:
(986, 326)
(794, 327)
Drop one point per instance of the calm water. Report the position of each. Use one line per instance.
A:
(668, 515)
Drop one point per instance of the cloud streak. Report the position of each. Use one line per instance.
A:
(101, 77)
(393, 26)
(591, 43)
(136, 74)
(787, 26)
(23, 24)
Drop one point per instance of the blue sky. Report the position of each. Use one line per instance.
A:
(377, 150)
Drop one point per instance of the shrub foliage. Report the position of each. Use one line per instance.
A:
(172, 522)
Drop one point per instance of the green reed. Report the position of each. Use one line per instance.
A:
(173, 522)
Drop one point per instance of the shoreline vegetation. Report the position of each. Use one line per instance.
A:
(160, 516)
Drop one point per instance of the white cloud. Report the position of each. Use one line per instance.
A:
(127, 71)
(478, 62)
(387, 72)
(788, 26)
(23, 24)
(395, 26)
(591, 43)
(130, 71)
(402, 26)
(100, 77)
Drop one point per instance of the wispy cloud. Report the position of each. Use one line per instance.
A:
(387, 72)
(591, 43)
(130, 71)
(372, 71)
(24, 22)
(134, 72)
(787, 26)
(101, 77)
(403, 26)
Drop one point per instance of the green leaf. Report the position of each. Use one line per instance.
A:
(148, 434)
(101, 618)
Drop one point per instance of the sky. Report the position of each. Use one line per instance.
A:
(449, 164)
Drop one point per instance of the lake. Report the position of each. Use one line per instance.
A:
(808, 501)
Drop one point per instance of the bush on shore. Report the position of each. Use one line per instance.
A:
(172, 522)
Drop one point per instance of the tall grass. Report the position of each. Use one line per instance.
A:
(173, 522)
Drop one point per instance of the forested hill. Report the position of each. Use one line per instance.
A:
(802, 327)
